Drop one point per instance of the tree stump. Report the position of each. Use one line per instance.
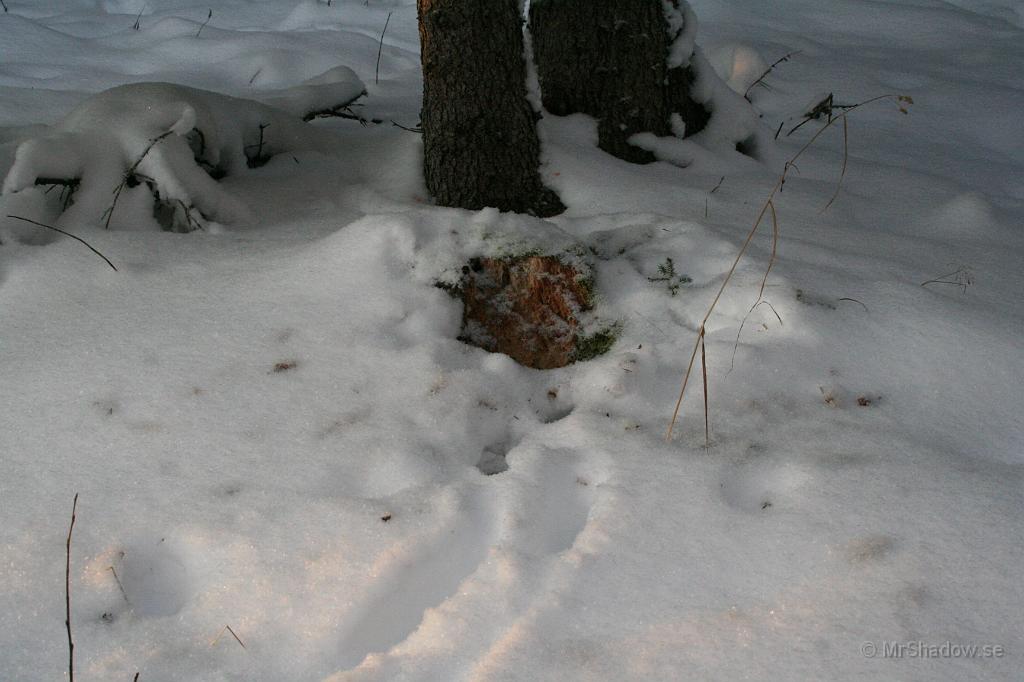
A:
(530, 309)
(479, 131)
(609, 59)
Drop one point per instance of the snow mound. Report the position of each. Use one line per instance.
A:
(738, 65)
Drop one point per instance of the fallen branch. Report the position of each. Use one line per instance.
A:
(68, 234)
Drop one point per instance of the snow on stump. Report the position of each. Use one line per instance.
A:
(530, 308)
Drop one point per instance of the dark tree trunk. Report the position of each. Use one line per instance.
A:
(479, 131)
(609, 59)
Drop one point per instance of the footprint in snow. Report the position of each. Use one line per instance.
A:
(155, 579)
(538, 513)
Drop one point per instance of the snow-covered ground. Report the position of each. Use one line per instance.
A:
(272, 426)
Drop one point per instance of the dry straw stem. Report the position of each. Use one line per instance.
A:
(760, 79)
(227, 628)
(768, 205)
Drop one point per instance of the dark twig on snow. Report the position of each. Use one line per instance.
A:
(961, 277)
(767, 71)
(67, 594)
(257, 160)
(380, 48)
(130, 178)
(67, 188)
(417, 129)
(853, 300)
(208, 17)
(68, 234)
(713, 190)
(342, 111)
(191, 221)
(4, 5)
(138, 18)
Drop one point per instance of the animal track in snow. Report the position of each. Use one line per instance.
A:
(756, 486)
(536, 510)
(492, 459)
(155, 579)
(422, 579)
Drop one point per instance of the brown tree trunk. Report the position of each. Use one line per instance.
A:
(479, 131)
(609, 59)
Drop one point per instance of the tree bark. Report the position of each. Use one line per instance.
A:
(479, 131)
(609, 59)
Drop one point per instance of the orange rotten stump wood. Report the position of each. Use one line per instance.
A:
(527, 308)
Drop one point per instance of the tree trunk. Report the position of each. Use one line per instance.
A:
(479, 131)
(609, 59)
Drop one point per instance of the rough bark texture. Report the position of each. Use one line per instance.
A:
(479, 131)
(527, 308)
(608, 59)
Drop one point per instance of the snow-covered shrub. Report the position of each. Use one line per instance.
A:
(165, 146)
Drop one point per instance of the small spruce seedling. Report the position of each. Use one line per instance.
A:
(667, 274)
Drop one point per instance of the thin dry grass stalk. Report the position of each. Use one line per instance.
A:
(901, 101)
(68, 234)
(227, 628)
(67, 593)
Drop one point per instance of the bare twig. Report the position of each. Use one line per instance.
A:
(138, 18)
(257, 160)
(68, 234)
(766, 72)
(765, 208)
(380, 48)
(67, 593)
(411, 130)
(4, 5)
(208, 17)
(342, 111)
(130, 175)
(713, 190)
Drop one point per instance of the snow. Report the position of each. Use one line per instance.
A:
(272, 427)
(682, 28)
